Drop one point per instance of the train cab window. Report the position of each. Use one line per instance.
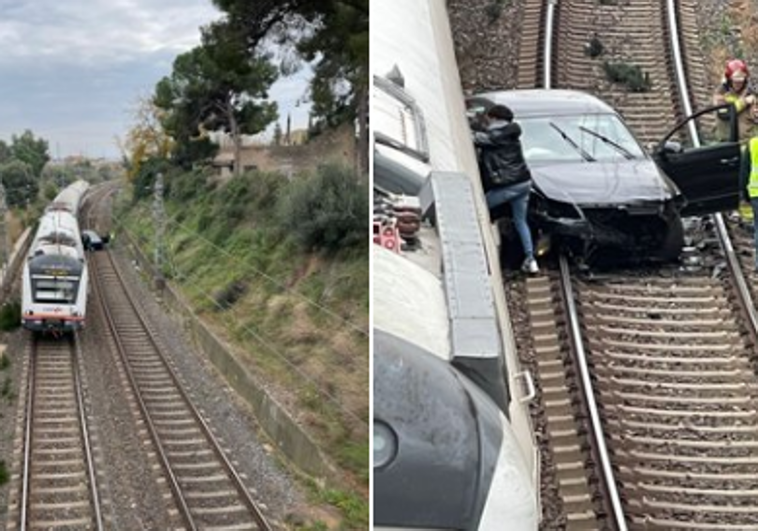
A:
(397, 120)
(55, 290)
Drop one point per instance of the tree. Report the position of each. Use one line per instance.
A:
(5, 152)
(147, 137)
(20, 185)
(336, 41)
(217, 86)
(31, 151)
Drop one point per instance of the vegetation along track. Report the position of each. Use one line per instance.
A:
(631, 34)
(56, 485)
(208, 492)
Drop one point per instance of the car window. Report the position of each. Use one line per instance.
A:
(601, 137)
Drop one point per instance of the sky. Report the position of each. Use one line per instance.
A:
(72, 71)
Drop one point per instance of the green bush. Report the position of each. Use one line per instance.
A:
(4, 475)
(630, 75)
(10, 316)
(327, 211)
(185, 186)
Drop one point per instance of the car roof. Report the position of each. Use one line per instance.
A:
(540, 102)
(91, 234)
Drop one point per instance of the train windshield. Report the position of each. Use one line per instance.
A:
(577, 138)
(55, 289)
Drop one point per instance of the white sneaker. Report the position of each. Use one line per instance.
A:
(530, 266)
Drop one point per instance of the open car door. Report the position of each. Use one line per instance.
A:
(707, 174)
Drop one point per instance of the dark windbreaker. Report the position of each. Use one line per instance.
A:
(501, 160)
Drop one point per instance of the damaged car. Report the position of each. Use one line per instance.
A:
(594, 186)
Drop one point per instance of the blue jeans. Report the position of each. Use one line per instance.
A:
(518, 196)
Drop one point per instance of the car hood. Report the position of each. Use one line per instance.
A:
(602, 183)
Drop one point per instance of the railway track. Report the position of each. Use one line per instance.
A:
(633, 33)
(207, 491)
(56, 485)
(661, 430)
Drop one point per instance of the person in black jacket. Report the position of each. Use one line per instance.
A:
(505, 175)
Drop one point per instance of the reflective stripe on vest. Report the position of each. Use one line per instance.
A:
(752, 185)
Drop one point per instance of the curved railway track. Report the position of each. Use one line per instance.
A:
(207, 491)
(57, 484)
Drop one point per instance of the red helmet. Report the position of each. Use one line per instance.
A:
(734, 66)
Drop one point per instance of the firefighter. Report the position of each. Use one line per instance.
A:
(735, 89)
(749, 184)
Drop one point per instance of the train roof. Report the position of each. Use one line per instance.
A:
(542, 102)
(69, 198)
(58, 230)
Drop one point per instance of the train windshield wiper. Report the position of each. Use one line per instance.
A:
(586, 156)
(621, 149)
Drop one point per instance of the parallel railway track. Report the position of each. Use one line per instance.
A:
(56, 485)
(207, 490)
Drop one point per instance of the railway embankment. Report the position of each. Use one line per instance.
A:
(278, 305)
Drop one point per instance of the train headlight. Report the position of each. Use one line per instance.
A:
(385, 444)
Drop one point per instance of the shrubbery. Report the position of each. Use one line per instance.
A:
(10, 316)
(327, 211)
(630, 75)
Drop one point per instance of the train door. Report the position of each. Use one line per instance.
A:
(708, 174)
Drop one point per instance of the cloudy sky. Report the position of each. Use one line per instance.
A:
(73, 70)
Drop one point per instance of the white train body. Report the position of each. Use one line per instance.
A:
(54, 289)
(453, 443)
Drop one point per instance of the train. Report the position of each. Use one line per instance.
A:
(453, 444)
(54, 284)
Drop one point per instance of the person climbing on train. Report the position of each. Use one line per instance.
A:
(749, 184)
(735, 89)
(505, 176)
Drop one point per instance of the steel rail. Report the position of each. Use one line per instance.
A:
(24, 503)
(743, 291)
(596, 427)
(609, 479)
(85, 438)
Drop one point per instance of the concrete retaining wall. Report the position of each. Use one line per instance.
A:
(288, 436)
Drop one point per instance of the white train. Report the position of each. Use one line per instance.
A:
(453, 442)
(54, 290)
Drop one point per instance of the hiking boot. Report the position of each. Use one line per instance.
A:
(530, 266)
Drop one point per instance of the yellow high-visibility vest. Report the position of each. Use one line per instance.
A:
(752, 185)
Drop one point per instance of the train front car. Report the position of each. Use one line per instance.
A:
(54, 293)
(453, 443)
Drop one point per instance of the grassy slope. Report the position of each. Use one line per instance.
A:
(301, 318)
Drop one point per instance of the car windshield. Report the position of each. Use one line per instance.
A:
(586, 137)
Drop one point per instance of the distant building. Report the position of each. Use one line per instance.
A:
(337, 145)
